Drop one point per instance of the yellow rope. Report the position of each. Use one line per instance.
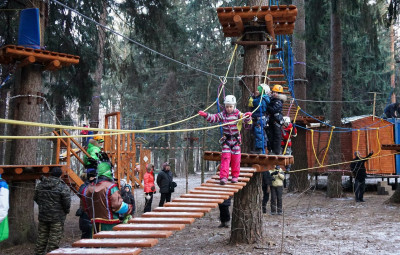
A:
(312, 145)
(265, 79)
(329, 143)
(290, 134)
(223, 85)
(358, 138)
(341, 163)
(379, 143)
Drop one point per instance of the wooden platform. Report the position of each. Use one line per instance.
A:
(26, 172)
(150, 226)
(117, 242)
(94, 251)
(162, 220)
(134, 234)
(10, 54)
(234, 20)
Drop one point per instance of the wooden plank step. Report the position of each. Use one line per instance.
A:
(220, 188)
(177, 204)
(241, 174)
(216, 181)
(162, 220)
(241, 179)
(274, 76)
(211, 192)
(205, 196)
(277, 82)
(274, 61)
(117, 242)
(248, 169)
(173, 214)
(182, 209)
(274, 69)
(151, 226)
(134, 234)
(84, 251)
(217, 185)
(197, 200)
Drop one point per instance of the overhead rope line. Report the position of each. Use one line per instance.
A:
(138, 43)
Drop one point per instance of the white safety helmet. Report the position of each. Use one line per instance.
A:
(266, 88)
(286, 120)
(230, 99)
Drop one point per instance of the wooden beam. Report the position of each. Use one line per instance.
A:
(53, 65)
(254, 43)
(238, 23)
(27, 61)
(269, 22)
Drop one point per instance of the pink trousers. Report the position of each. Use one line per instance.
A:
(229, 159)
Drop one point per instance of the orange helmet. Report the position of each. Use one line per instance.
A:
(99, 138)
(277, 88)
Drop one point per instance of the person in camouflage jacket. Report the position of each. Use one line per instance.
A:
(54, 200)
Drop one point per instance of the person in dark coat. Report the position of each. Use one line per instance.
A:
(127, 196)
(392, 110)
(275, 120)
(360, 173)
(224, 214)
(54, 200)
(85, 225)
(266, 188)
(165, 183)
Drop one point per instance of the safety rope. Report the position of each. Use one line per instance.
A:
(379, 143)
(329, 143)
(358, 138)
(291, 129)
(313, 147)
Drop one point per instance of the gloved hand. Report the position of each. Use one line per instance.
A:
(153, 188)
(248, 114)
(274, 173)
(203, 114)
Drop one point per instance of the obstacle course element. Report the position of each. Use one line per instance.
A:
(145, 231)
(51, 61)
(276, 20)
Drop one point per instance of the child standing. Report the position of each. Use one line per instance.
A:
(128, 197)
(259, 118)
(276, 119)
(278, 176)
(231, 138)
(288, 131)
(149, 187)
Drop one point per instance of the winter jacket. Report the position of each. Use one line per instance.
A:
(262, 110)
(53, 198)
(104, 197)
(392, 110)
(232, 139)
(275, 110)
(285, 135)
(128, 198)
(4, 206)
(93, 151)
(266, 180)
(358, 168)
(148, 182)
(277, 179)
(164, 181)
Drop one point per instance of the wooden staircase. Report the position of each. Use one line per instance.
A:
(162, 222)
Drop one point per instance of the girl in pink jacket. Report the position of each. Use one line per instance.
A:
(231, 138)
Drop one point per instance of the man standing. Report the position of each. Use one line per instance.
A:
(360, 173)
(4, 205)
(165, 183)
(54, 200)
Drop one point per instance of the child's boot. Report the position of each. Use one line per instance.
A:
(235, 179)
(223, 181)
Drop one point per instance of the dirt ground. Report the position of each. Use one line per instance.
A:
(311, 224)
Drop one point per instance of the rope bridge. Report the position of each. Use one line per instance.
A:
(162, 222)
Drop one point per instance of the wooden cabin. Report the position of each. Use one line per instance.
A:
(368, 138)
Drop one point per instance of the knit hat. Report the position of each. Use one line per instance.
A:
(128, 186)
(165, 164)
(56, 171)
(104, 168)
(91, 172)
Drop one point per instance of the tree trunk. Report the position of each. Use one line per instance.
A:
(299, 180)
(392, 65)
(247, 219)
(95, 106)
(334, 182)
